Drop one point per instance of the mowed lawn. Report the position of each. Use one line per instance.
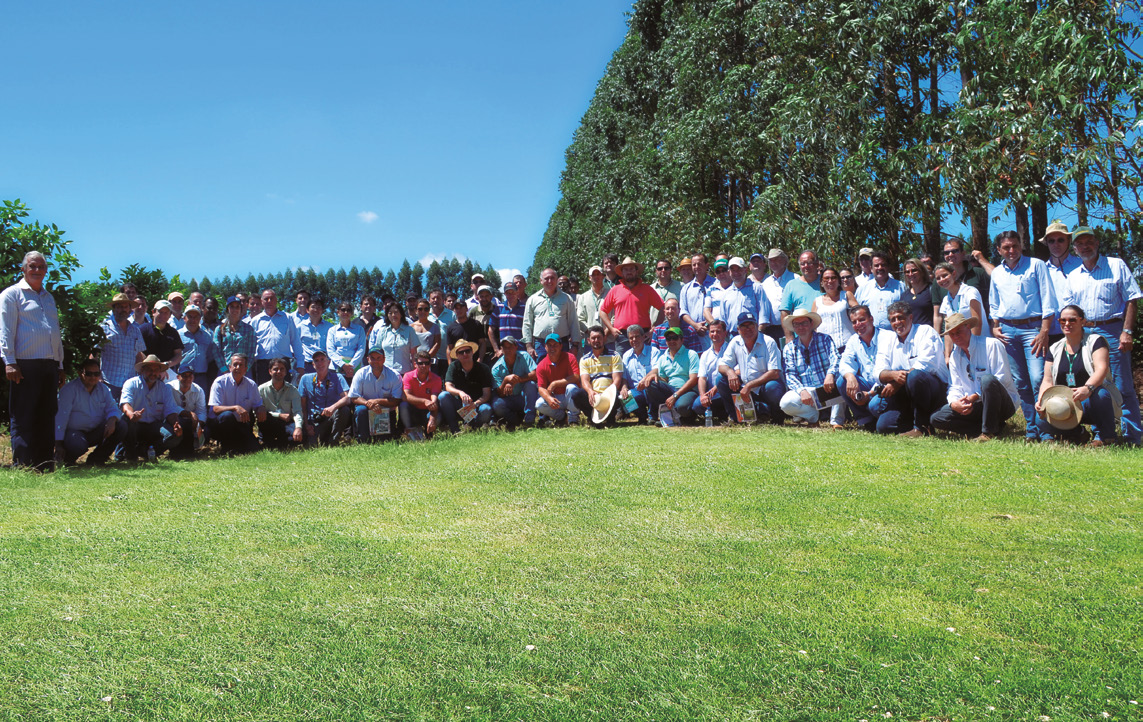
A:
(654, 574)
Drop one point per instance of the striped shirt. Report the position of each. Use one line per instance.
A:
(83, 410)
(119, 352)
(600, 369)
(1022, 292)
(808, 368)
(1104, 291)
(29, 325)
(511, 321)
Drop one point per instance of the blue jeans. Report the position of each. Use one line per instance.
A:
(1098, 411)
(573, 400)
(912, 407)
(450, 412)
(659, 391)
(864, 414)
(361, 425)
(767, 400)
(517, 407)
(77, 441)
(1121, 370)
(1027, 371)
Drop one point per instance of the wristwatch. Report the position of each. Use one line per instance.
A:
(1090, 388)
(1129, 331)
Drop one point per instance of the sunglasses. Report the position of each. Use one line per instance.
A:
(423, 363)
(1070, 321)
(93, 374)
(464, 351)
(946, 254)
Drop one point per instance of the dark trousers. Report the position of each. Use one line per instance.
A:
(767, 400)
(234, 436)
(76, 442)
(161, 435)
(987, 414)
(912, 407)
(275, 432)
(331, 428)
(32, 406)
(657, 394)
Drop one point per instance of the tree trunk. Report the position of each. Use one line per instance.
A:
(978, 218)
(1020, 214)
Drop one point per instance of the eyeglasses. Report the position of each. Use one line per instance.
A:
(93, 374)
(847, 278)
(1070, 321)
(662, 268)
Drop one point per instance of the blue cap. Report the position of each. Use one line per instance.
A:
(233, 299)
(553, 337)
(185, 368)
(747, 317)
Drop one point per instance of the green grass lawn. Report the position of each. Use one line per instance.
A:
(577, 574)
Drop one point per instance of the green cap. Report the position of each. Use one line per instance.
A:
(1082, 231)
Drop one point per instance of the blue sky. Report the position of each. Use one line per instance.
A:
(227, 138)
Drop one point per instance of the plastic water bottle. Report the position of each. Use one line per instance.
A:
(709, 418)
(151, 455)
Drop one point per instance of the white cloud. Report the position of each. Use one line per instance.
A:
(506, 274)
(367, 216)
(428, 258)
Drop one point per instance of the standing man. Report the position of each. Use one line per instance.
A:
(511, 314)
(611, 274)
(1022, 304)
(966, 272)
(476, 282)
(277, 337)
(879, 290)
(587, 303)
(198, 347)
(161, 338)
(865, 270)
(302, 307)
(693, 299)
(122, 347)
(313, 331)
(1060, 263)
(33, 362)
(981, 396)
(466, 328)
(911, 365)
(758, 269)
(665, 286)
(1108, 293)
(775, 285)
(672, 319)
(550, 311)
(177, 305)
(630, 302)
(801, 292)
(442, 315)
(743, 295)
(368, 318)
(87, 417)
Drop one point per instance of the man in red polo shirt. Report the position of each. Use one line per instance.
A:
(628, 303)
(557, 380)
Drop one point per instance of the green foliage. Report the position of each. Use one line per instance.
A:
(734, 125)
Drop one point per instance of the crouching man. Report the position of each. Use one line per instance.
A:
(152, 414)
(982, 395)
(87, 417)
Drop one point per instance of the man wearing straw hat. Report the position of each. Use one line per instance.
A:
(152, 414)
(122, 346)
(981, 395)
(1061, 262)
(599, 370)
(811, 363)
(628, 302)
(911, 364)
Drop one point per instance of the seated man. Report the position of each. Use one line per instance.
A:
(152, 414)
(557, 380)
(599, 369)
(514, 375)
(233, 405)
(192, 398)
(378, 389)
(87, 416)
(422, 395)
(325, 403)
(674, 379)
(861, 390)
(637, 364)
(467, 381)
(283, 404)
(982, 395)
(709, 376)
(910, 363)
(811, 363)
(751, 366)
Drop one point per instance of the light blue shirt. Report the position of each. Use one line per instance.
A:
(224, 392)
(692, 298)
(1063, 289)
(675, 372)
(636, 366)
(1021, 292)
(313, 336)
(751, 363)
(346, 345)
(83, 410)
(860, 359)
(751, 297)
(367, 386)
(198, 349)
(29, 325)
(878, 298)
(1103, 292)
(277, 338)
(708, 366)
(524, 365)
(119, 351)
(157, 402)
(447, 317)
(800, 294)
(399, 345)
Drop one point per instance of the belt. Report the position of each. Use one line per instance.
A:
(1020, 321)
(1106, 321)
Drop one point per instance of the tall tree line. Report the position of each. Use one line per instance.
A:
(835, 124)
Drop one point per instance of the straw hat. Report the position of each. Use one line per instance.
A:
(1055, 227)
(956, 320)
(1060, 409)
(462, 344)
(629, 261)
(788, 321)
(118, 298)
(605, 406)
(151, 360)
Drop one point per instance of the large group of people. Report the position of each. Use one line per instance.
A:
(957, 346)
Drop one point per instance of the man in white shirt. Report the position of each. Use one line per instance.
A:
(911, 364)
(982, 395)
